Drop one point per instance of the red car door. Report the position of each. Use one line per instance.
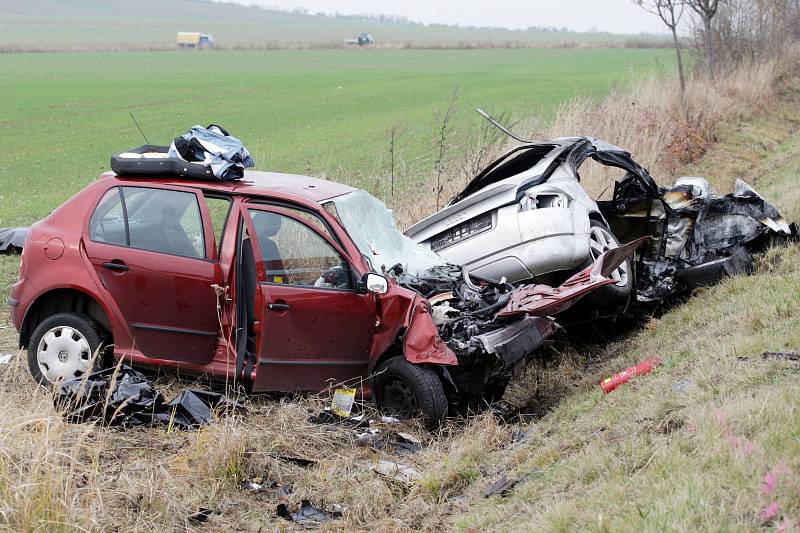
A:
(315, 328)
(152, 249)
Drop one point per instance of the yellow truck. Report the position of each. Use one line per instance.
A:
(194, 39)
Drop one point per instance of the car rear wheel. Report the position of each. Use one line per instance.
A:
(404, 390)
(601, 239)
(64, 346)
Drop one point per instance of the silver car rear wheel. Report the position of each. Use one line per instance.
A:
(601, 240)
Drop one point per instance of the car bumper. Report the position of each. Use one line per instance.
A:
(16, 302)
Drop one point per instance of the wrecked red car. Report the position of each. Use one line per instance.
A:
(276, 282)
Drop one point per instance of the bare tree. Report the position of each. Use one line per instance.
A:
(440, 142)
(670, 13)
(748, 30)
(706, 9)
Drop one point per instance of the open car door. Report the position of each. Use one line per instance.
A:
(309, 326)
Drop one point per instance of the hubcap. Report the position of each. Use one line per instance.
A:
(398, 399)
(600, 241)
(63, 353)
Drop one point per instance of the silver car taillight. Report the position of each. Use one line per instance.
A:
(534, 200)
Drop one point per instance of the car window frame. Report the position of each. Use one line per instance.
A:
(285, 210)
(205, 221)
(248, 201)
(206, 193)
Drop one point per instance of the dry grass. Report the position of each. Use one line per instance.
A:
(59, 476)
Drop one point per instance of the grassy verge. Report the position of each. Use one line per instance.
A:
(710, 440)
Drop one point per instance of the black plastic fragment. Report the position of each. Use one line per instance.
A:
(401, 443)
(789, 356)
(124, 397)
(329, 417)
(706, 274)
(299, 461)
(201, 516)
(502, 487)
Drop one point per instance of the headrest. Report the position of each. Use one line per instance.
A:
(266, 224)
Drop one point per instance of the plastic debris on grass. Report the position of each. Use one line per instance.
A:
(124, 397)
(396, 471)
(308, 514)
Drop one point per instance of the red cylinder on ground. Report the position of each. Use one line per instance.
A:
(619, 378)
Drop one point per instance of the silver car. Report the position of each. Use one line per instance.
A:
(527, 216)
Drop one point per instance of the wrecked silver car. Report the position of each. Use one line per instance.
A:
(527, 216)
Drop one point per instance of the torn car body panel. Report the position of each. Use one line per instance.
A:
(542, 299)
(698, 236)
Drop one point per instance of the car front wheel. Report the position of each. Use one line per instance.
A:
(404, 390)
(64, 346)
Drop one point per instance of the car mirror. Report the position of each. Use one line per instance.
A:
(374, 283)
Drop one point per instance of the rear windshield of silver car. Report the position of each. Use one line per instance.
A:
(515, 161)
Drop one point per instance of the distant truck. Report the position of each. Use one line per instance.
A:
(194, 39)
(363, 39)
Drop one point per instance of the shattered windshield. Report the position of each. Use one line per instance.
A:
(371, 226)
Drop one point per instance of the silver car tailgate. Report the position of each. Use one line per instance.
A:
(488, 199)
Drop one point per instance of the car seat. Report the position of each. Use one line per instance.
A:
(175, 239)
(268, 225)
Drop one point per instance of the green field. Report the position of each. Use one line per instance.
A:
(66, 23)
(314, 111)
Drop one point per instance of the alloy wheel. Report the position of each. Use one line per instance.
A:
(601, 240)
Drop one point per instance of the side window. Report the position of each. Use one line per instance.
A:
(598, 179)
(312, 220)
(296, 254)
(158, 220)
(161, 220)
(218, 208)
(108, 223)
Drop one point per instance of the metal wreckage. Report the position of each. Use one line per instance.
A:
(487, 327)
(697, 236)
(681, 238)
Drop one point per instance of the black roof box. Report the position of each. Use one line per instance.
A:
(150, 160)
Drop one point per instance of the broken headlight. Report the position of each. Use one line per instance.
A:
(534, 200)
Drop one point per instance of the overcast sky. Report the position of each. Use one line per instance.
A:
(616, 16)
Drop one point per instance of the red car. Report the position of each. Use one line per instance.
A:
(167, 272)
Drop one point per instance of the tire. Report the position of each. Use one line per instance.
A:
(601, 239)
(404, 390)
(52, 358)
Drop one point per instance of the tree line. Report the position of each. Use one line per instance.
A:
(727, 32)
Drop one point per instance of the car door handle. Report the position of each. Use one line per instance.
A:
(278, 307)
(118, 266)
